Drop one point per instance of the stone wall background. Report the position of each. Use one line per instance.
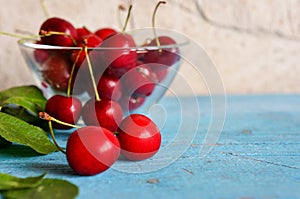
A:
(255, 45)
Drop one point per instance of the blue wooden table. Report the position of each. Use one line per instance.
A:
(257, 154)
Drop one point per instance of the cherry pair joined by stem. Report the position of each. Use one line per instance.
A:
(92, 150)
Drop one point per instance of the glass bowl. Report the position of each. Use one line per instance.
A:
(137, 77)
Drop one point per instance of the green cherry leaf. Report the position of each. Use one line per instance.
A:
(30, 98)
(16, 130)
(9, 182)
(47, 189)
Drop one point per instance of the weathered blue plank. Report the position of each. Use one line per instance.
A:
(256, 156)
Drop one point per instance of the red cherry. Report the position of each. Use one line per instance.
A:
(56, 71)
(105, 113)
(104, 33)
(90, 40)
(61, 26)
(166, 57)
(92, 150)
(63, 108)
(109, 88)
(139, 137)
(121, 59)
(81, 33)
(139, 80)
(80, 81)
(130, 103)
(161, 74)
(40, 55)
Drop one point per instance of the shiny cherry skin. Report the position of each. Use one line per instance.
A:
(92, 150)
(132, 102)
(40, 55)
(139, 137)
(109, 88)
(90, 41)
(122, 59)
(63, 108)
(139, 81)
(104, 33)
(56, 24)
(166, 57)
(105, 113)
(80, 80)
(161, 75)
(81, 33)
(56, 71)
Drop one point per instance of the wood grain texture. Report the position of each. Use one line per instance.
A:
(256, 156)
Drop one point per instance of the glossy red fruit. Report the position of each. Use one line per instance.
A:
(161, 74)
(130, 103)
(139, 81)
(105, 113)
(104, 33)
(89, 41)
(167, 56)
(56, 24)
(109, 88)
(63, 108)
(40, 55)
(139, 137)
(80, 81)
(81, 33)
(92, 150)
(56, 71)
(122, 59)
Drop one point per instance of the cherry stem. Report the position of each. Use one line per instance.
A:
(120, 9)
(44, 7)
(91, 73)
(21, 36)
(72, 73)
(45, 33)
(153, 23)
(53, 137)
(127, 18)
(47, 117)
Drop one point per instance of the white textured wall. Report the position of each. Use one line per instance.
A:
(254, 44)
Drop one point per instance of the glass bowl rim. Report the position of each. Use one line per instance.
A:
(31, 43)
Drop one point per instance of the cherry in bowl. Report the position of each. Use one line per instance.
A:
(58, 71)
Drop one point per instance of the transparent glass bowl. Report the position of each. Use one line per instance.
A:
(51, 67)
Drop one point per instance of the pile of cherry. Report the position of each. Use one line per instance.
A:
(121, 72)
(118, 79)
